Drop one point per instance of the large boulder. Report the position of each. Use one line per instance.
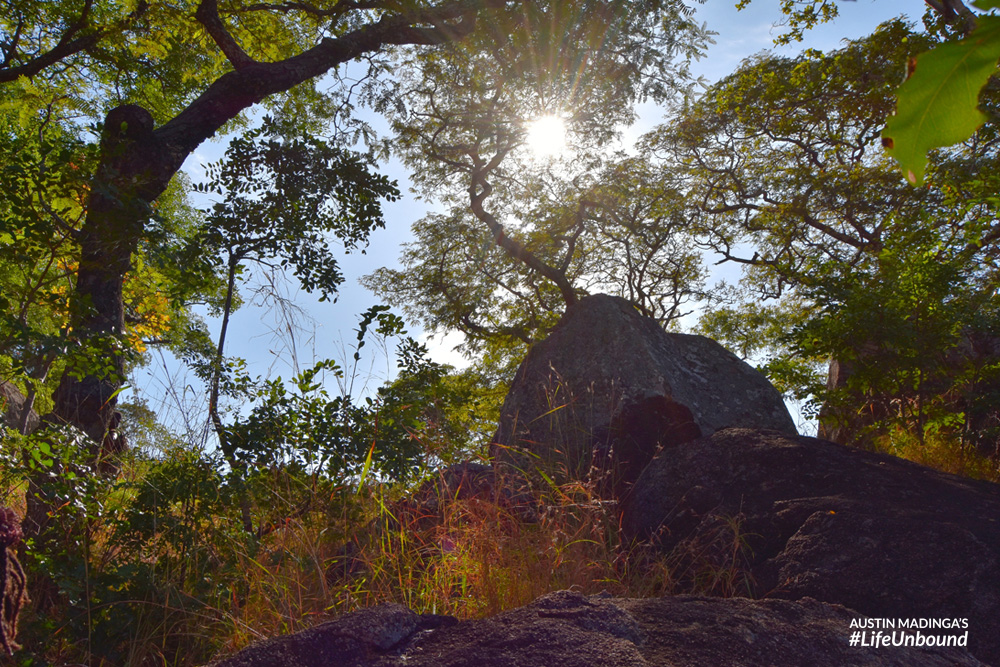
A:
(883, 536)
(567, 629)
(609, 377)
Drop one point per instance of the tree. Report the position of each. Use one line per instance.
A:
(789, 179)
(233, 53)
(783, 159)
(283, 198)
(44, 166)
(155, 81)
(36, 256)
(938, 103)
(523, 237)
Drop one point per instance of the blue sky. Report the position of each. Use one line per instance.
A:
(744, 33)
(259, 334)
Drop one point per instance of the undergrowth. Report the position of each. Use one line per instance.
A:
(942, 451)
(158, 569)
(165, 574)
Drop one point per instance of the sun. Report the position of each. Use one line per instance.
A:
(546, 136)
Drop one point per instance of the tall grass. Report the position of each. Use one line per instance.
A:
(192, 585)
(164, 573)
(477, 557)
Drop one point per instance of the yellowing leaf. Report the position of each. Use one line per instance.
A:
(937, 105)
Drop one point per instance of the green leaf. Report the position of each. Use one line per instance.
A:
(42, 453)
(937, 104)
(366, 468)
(116, 392)
(986, 5)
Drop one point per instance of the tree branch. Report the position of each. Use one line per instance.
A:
(307, 8)
(208, 15)
(240, 89)
(66, 47)
(10, 49)
(478, 192)
(955, 12)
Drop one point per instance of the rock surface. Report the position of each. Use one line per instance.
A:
(12, 402)
(883, 536)
(567, 629)
(604, 358)
(353, 640)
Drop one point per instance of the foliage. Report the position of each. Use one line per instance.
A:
(163, 571)
(937, 449)
(340, 436)
(162, 83)
(42, 208)
(937, 103)
(784, 161)
(155, 564)
(38, 213)
(283, 200)
(904, 330)
(801, 15)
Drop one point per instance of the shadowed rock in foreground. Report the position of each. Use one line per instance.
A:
(567, 629)
(886, 537)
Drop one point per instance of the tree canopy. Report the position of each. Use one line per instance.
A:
(522, 234)
(788, 177)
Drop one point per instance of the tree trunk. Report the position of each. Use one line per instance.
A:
(127, 181)
(213, 400)
(123, 187)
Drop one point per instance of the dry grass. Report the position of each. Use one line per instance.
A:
(471, 558)
(944, 452)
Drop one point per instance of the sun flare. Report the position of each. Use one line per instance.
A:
(546, 136)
